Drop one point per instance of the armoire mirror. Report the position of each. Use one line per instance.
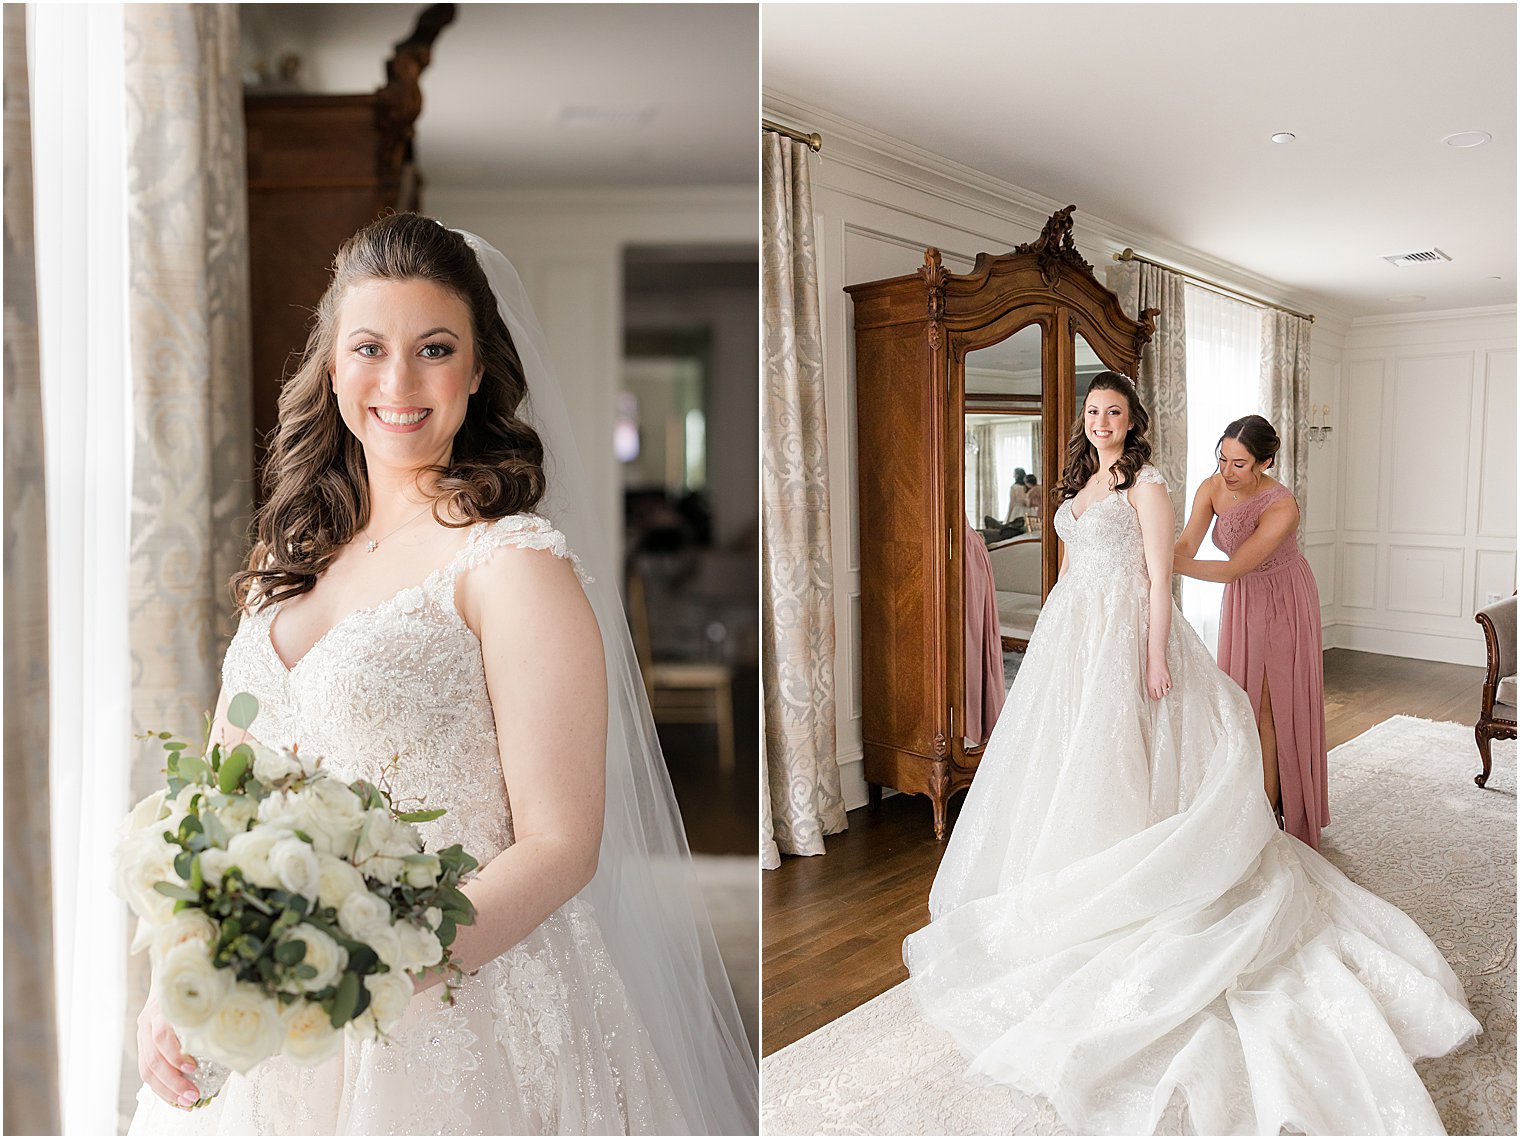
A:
(960, 380)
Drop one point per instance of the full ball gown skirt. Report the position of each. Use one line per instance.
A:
(1118, 920)
(541, 1040)
(1269, 635)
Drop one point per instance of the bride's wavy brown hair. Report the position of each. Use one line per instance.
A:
(1082, 456)
(316, 491)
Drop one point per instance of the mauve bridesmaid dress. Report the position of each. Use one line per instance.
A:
(1269, 627)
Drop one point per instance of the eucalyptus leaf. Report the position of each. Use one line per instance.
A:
(234, 767)
(345, 1004)
(421, 816)
(242, 710)
(180, 893)
(216, 833)
(291, 952)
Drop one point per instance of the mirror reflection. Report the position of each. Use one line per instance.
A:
(1088, 366)
(1003, 495)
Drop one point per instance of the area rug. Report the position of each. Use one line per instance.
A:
(1408, 824)
(730, 886)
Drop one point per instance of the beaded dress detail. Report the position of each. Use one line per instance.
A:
(541, 1040)
(1118, 921)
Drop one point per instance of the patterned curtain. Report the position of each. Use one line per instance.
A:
(797, 614)
(191, 388)
(1162, 382)
(1285, 400)
(31, 1043)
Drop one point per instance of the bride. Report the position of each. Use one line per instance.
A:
(405, 599)
(1117, 921)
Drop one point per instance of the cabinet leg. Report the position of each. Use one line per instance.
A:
(873, 795)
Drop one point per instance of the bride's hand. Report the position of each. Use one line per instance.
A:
(1158, 678)
(159, 1060)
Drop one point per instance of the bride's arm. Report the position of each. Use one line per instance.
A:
(546, 675)
(1157, 525)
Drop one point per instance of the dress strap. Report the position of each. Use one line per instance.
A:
(525, 531)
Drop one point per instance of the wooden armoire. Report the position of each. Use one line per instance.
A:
(320, 167)
(913, 335)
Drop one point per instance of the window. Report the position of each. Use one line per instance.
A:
(1223, 383)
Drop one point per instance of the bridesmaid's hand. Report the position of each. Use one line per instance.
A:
(1158, 678)
(160, 1062)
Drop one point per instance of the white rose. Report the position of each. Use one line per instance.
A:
(422, 870)
(389, 996)
(334, 815)
(142, 860)
(246, 1028)
(336, 880)
(236, 815)
(364, 916)
(190, 987)
(384, 844)
(433, 916)
(189, 925)
(310, 1037)
(249, 852)
(273, 765)
(325, 811)
(323, 954)
(294, 865)
(419, 947)
(146, 815)
(214, 863)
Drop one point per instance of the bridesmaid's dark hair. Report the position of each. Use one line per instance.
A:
(1256, 435)
(1082, 456)
(316, 490)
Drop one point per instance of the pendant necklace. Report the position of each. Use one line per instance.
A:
(373, 544)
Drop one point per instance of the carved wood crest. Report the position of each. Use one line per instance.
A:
(1055, 247)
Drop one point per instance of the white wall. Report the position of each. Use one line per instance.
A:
(568, 247)
(1425, 428)
(877, 203)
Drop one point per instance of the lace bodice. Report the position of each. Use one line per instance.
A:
(402, 679)
(1104, 542)
(1234, 526)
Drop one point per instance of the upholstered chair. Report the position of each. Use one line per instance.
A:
(1496, 717)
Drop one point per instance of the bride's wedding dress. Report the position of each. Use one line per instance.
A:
(542, 1040)
(1117, 919)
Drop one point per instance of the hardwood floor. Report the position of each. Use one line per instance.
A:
(834, 925)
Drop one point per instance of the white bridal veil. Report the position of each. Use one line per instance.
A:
(645, 892)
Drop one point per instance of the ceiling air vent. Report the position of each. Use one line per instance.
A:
(1419, 257)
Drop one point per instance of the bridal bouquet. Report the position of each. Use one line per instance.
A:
(283, 907)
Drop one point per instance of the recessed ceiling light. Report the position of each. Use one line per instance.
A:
(1406, 299)
(1284, 137)
(1467, 138)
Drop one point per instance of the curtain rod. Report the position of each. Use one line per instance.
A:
(812, 139)
(1131, 255)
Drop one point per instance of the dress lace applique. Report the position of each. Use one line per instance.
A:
(542, 1040)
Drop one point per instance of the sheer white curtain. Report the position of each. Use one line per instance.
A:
(78, 133)
(1224, 383)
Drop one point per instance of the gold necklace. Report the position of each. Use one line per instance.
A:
(373, 544)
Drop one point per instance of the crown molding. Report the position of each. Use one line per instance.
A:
(862, 148)
(1497, 312)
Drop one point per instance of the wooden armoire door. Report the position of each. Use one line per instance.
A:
(912, 338)
(320, 167)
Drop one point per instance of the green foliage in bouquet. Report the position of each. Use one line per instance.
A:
(293, 883)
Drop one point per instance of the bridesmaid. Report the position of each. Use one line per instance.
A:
(1269, 624)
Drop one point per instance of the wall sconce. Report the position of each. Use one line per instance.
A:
(1319, 423)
